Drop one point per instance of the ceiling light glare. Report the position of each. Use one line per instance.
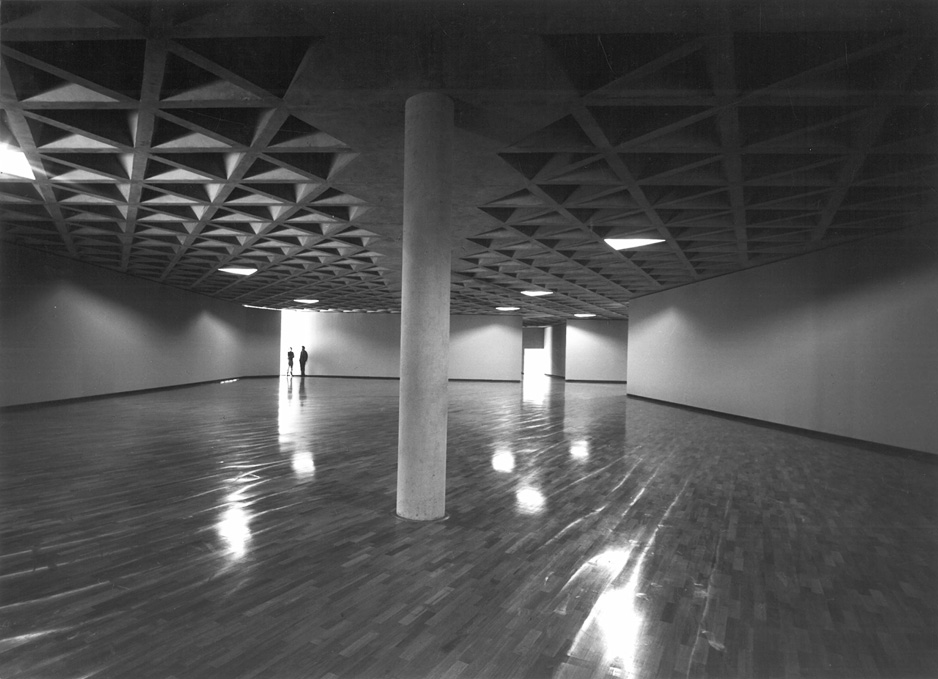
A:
(584, 315)
(627, 243)
(507, 308)
(503, 461)
(536, 293)
(238, 270)
(13, 162)
(306, 301)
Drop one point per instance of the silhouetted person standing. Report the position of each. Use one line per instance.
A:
(290, 362)
(303, 358)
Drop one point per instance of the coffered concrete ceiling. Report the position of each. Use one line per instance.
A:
(170, 139)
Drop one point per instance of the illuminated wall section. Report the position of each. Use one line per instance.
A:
(71, 330)
(843, 341)
(343, 345)
(368, 345)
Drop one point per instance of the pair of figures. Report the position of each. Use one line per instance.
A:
(303, 358)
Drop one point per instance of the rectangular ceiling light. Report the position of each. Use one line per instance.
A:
(536, 293)
(238, 270)
(13, 162)
(306, 301)
(626, 243)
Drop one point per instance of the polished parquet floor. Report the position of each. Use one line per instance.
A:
(247, 530)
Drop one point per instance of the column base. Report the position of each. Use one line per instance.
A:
(407, 518)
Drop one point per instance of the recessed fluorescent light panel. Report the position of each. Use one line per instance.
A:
(627, 243)
(536, 293)
(507, 308)
(13, 162)
(238, 270)
(306, 301)
(584, 315)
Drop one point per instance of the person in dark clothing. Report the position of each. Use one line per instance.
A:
(290, 362)
(303, 358)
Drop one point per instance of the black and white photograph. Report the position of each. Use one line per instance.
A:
(468, 339)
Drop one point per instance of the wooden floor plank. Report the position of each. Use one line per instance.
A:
(248, 530)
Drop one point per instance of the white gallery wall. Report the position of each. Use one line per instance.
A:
(597, 350)
(843, 341)
(485, 348)
(70, 330)
(368, 345)
(340, 345)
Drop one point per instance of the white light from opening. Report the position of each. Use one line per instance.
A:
(306, 301)
(626, 243)
(507, 308)
(13, 161)
(536, 293)
(238, 270)
(584, 315)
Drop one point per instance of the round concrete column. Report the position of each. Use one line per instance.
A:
(421, 452)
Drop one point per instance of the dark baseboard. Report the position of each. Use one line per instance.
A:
(600, 381)
(130, 392)
(882, 448)
(351, 377)
(369, 377)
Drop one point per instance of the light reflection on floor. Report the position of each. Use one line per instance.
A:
(530, 499)
(678, 548)
(616, 622)
(235, 530)
(234, 524)
(503, 460)
(293, 432)
(303, 465)
(580, 449)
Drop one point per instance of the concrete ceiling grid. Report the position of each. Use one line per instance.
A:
(171, 139)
